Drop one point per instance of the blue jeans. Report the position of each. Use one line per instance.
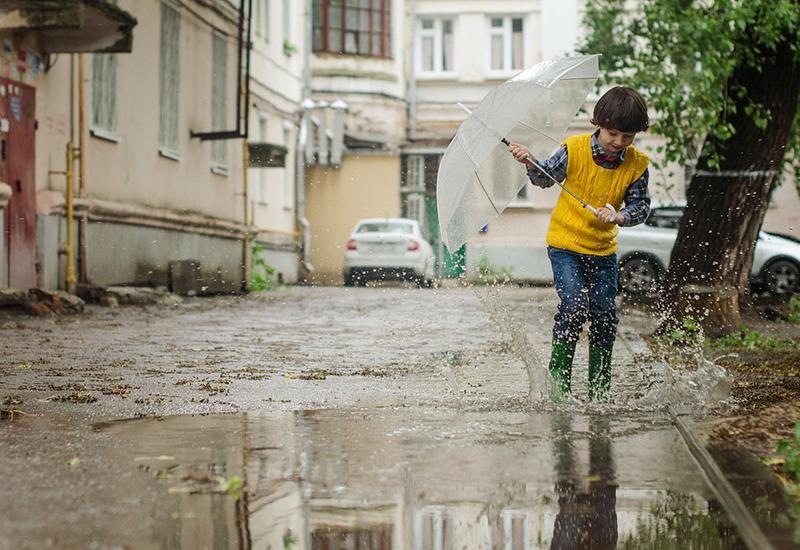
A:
(587, 286)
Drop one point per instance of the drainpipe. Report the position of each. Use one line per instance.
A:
(5, 195)
(302, 139)
(245, 147)
(69, 192)
(246, 218)
(300, 191)
(82, 268)
(70, 245)
(412, 79)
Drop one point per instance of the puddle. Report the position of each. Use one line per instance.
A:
(427, 479)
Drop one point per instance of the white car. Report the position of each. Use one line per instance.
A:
(644, 252)
(388, 248)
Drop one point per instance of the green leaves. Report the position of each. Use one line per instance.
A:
(681, 55)
(263, 275)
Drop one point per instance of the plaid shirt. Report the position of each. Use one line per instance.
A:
(637, 197)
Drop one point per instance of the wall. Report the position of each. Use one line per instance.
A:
(276, 92)
(152, 206)
(367, 185)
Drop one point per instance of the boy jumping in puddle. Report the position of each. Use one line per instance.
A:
(602, 168)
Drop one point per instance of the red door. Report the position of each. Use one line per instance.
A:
(17, 150)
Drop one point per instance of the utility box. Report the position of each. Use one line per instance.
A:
(267, 155)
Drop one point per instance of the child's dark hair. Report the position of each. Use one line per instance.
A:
(622, 109)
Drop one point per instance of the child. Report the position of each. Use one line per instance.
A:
(601, 167)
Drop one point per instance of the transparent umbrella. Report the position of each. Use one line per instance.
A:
(477, 176)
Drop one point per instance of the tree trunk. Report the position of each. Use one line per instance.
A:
(726, 206)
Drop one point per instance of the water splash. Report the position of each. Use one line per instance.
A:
(539, 381)
(690, 383)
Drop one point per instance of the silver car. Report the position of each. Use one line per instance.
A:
(644, 252)
(388, 248)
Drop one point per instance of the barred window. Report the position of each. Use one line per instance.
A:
(356, 27)
(170, 78)
(219, 99)
(104, 93)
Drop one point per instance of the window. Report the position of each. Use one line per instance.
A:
(506, 44)
(287, 21)
(104, 94)
(288, 183)
(169, 77)
(261, 19)
(435, 47)
(261, 180)
(219, 100)
(358, 27)
(417, 180)
(404, 228)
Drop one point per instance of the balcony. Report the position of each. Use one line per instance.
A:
(68, 26)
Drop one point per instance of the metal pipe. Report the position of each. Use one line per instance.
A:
(82, 268)
(249, 47)
(302, 138)
(412, 79)
(70, 245)
(245, 148)
(246, 219)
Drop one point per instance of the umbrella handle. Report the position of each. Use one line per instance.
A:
(609, 206)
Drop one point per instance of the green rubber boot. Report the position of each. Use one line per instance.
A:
(561, 358)
(599, 373)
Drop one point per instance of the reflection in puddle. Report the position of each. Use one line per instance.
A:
(431, 480)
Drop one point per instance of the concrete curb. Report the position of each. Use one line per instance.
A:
(749, 530)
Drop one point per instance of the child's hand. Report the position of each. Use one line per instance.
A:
(521, 154)
(607, 216)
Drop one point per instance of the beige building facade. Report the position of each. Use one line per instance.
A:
(157, 196)
(358, 73)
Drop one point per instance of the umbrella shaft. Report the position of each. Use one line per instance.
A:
(505, 142)
(561, 185)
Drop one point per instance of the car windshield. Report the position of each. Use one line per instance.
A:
(669, 218)
(386, 227)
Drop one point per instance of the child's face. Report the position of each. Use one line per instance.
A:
(614, 141)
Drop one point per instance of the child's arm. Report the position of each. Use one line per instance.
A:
(556, 165)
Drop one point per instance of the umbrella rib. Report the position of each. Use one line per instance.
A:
(565, 71)
(487, 193)
(465, 148)
(551, 138)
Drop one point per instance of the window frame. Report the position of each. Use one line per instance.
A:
(104, 124)
(507, 35)
(384, 34)
(219, 103)
(166, 148)
(436, 33)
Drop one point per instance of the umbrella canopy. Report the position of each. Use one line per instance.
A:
(477, 176)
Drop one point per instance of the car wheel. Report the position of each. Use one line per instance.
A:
(638, 275)
(782, 277)
(348, 280)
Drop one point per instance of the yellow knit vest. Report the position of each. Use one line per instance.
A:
(575, 228)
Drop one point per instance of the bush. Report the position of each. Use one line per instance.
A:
(263, 274)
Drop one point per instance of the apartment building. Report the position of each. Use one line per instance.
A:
(357, 81)
(157, 139)
(276, 92)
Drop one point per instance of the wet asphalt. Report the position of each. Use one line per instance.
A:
(382, 417)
